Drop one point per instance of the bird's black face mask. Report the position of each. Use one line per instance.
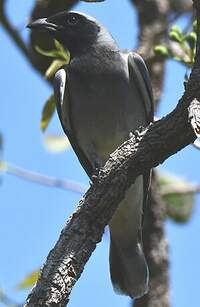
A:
(74, 31)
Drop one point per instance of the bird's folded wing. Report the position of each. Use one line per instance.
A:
(63, 105)
(139, 76)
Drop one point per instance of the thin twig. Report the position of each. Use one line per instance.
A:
(171, 189)
(41, 179)
(7, 301)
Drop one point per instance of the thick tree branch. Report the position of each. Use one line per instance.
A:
(84, 229)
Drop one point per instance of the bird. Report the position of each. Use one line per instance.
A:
(102, 96)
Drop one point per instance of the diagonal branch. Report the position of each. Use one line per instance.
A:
(146, 149)
(13, 33)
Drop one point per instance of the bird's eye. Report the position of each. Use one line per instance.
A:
(72, 20)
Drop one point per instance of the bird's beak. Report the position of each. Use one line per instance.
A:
(43, 25)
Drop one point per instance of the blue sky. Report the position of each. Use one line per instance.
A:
(32, 216)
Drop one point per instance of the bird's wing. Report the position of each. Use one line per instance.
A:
(62, 98)
(139, 76)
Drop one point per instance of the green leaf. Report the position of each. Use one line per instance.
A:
(55, 65)
(177, 58)
(56, 143)
(47, 113)
(28, 281)
(3, 166)
(52, 53)
(179, 206)
(175, 36)
(191, 39)
(176, 29)
(161, 51)
(61, 56)
(194, 26)
(59, 46)
(64, 54)
(59, 53)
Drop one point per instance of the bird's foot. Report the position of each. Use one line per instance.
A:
(95, 173)
(131, 134)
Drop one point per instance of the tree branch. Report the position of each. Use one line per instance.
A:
(171, 189)
(15, 36)
(146, 149)
(7, 301)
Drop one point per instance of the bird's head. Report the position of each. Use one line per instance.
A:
(77, 32)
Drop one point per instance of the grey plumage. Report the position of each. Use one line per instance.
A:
(102, 95)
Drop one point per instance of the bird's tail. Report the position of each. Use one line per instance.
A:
(128, 269)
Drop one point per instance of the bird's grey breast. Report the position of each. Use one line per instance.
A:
(102, 107)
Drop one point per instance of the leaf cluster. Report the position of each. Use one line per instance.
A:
(184, 43)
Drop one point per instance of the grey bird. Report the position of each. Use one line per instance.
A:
(102, 96)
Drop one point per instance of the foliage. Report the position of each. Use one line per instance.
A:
(60, 57)
(177, 197)
(29, 280)
(47, 112)
(56, 143)
(182, 47)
